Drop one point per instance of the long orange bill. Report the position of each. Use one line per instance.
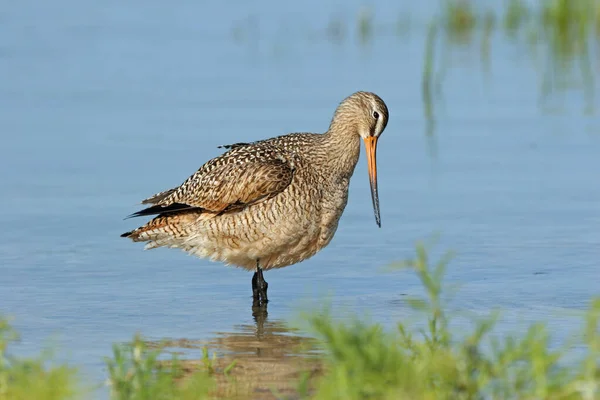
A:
(371, 147)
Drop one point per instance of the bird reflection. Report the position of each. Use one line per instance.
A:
(267, 354)
(259, 313)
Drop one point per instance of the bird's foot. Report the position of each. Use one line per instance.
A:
(259, 294)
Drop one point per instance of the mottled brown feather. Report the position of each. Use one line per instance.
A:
(242, 176)
(156, 198)
(164, 224)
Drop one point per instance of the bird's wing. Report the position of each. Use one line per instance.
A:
(242, 176)
(234, 145)
(156, 198)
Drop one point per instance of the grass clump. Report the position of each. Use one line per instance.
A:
(32, 378)
(365, 362)
(136, 373)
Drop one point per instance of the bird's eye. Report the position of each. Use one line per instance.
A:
(375, 115)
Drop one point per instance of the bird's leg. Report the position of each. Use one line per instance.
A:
(255, 292)
(259, 286)
(263, 286)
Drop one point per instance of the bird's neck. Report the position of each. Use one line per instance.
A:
(343, 150)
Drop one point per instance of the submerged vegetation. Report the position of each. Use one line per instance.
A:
(422, 360)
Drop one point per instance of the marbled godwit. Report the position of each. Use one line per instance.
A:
(271, 203)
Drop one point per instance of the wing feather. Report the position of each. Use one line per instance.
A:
(240, 177)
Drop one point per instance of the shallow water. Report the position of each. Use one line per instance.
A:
(104, 104)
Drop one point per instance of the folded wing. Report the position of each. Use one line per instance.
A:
(242, 176)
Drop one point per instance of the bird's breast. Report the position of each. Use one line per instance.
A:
(333, 205)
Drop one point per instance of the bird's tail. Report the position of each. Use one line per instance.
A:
(167, 229)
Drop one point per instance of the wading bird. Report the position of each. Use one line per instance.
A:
(271, 203)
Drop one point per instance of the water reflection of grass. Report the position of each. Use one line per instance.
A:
(459, 19)
(562, 38)
(565, 29)
(515, 16)
(568, 26)
(427, 87)
(563, 33)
